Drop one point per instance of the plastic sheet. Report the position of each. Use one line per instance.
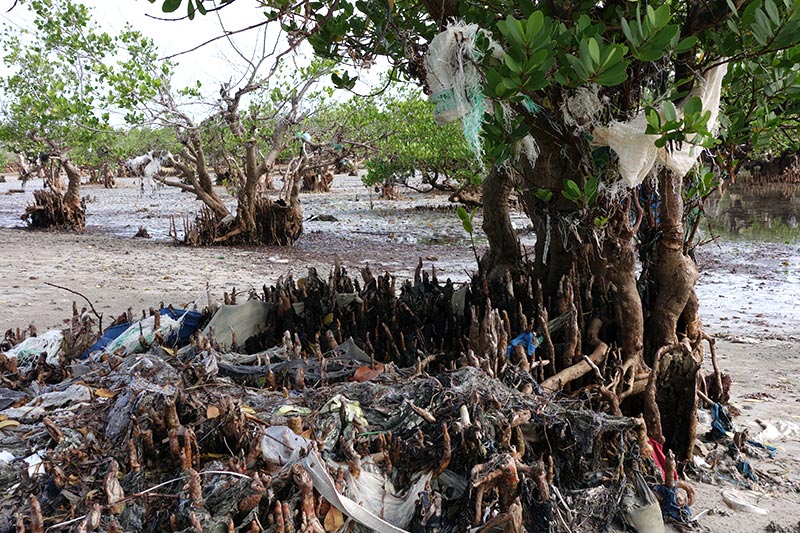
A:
(247, 319)
(637, 152)
(28, 351)
(129, 340)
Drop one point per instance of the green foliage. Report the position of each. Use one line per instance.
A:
(466, 223)
(544, 195)
(672, 129)
(539, 53)
(60, 77)
(192, 6)
(762, 103)
(466, 218)
(6, 158)
(703, 183)
(586, 197)
(410, 142)
(650, 35)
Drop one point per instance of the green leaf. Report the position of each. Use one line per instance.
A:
(512, 64)
(544, 195)
(190, 7)
(651, 16)
(466, 219)
(772, 11)
(693, 106)
(613, 75)
(687, 44)
(669, 112)
(572, 192)
(594, 50)
(626, 29)
(590, 190)
(512, 29)
(171, 5)
(535, 24)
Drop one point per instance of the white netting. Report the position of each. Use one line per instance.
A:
(581, 109)
(27, 352)
(455, 82)
(637, 151)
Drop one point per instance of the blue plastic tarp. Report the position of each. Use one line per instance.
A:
(190, 321)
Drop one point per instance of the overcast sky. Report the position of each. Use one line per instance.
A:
(211, 64)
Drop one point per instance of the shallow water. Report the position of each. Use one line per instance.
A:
(758, 213)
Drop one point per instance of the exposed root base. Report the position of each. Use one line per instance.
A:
(317, 181)
(276, 224)
(50, 211)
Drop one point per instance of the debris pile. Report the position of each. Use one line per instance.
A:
(315, 406)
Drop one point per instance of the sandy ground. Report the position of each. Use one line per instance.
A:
(748, 293)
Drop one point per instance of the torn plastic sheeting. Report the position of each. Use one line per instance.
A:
(28, 351)
(35, 464)
(342, 413)
(45, 403)
(343, 299)
(778, 430)
(640, 507)
(188, 320)
(637, 151)
(670, 506)
(721, 423)
(459, 300)
(375, 492)
(350, 350)
(324, 485)
(130, 340)
(247, 319)
(746, 470)
(72, 394)
(280, 445)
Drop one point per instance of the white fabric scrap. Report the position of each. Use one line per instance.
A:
(637, 151)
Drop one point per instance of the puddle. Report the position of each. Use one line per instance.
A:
(759, 213)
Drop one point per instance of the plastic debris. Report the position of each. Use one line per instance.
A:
(28, 351)
(637, 151)
(246, 320)
(739, 501)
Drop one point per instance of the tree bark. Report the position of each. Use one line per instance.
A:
(674, 275)
(503, 254)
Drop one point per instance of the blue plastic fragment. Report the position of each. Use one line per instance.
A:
(525, 339)
(670, 506)
(770, 449)
(746, 470)
(720, 420)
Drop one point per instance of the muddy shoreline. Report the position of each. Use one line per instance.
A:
(748, 290)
